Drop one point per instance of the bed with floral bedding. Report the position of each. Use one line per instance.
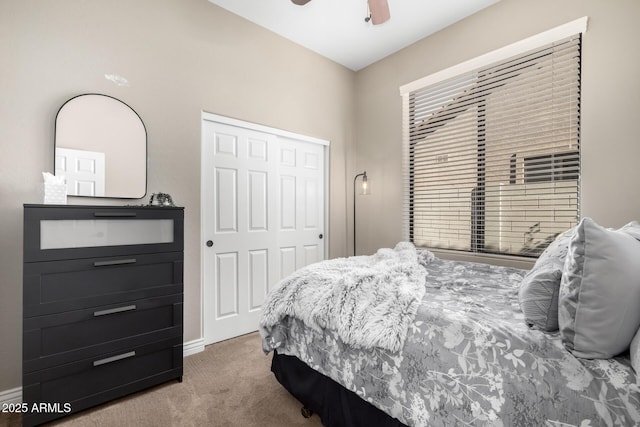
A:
(461, 351)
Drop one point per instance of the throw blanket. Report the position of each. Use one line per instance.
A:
(369, 301)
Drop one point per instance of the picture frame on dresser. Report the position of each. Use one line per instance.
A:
(102, 304)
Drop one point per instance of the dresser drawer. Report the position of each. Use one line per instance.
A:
(66, 337)
(52, 233)
(53, 287)
(92, 381)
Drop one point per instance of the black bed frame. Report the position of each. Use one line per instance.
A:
(335, 405)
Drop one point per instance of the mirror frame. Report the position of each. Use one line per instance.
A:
(146, 146)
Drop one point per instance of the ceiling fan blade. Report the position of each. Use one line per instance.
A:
(379, 11)
(300, 2)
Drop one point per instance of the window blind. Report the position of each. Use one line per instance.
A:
(493, 154)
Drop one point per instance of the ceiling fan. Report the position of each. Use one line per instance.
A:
(378, 10)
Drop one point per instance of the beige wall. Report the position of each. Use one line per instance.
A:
(610, 105)
(180, 57)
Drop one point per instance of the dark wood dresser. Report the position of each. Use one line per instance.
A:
(102, 304)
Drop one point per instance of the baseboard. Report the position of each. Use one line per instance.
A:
(193, 347)
(15, 394)
(11, 396)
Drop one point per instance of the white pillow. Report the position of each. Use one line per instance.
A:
(599, 300)
(632, 229)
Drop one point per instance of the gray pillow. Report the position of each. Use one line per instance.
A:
(556, 252)
(538, 292)
(538, 296)
(599, 300)
(634, 351)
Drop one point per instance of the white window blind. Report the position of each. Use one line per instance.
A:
(493, 161)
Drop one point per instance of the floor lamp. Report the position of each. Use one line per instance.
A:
(365, 189)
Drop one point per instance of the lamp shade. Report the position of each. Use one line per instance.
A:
(365, 189)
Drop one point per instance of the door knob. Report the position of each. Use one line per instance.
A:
(320, 236)
(209, 243)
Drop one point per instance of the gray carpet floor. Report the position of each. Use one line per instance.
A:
(228, 384)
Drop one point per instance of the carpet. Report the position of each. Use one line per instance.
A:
(228, 384)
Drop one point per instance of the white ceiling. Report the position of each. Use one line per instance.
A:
(336, 28)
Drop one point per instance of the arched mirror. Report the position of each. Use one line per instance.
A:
(101, 148)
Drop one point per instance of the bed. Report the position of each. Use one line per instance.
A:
(459, 350)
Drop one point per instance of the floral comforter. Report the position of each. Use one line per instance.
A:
(469, 359)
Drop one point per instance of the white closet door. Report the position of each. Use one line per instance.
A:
(263, 217)
(301, 204)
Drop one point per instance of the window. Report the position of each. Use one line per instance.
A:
(492, 160)
(552, 167)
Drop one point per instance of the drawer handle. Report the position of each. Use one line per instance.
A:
(103, 214)
(114, 310)
(114, 358)
(114, 262)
